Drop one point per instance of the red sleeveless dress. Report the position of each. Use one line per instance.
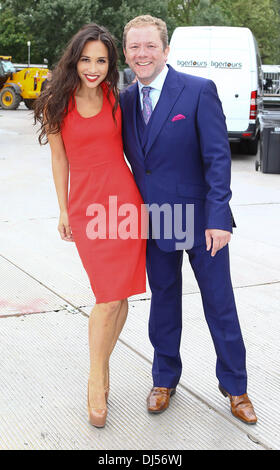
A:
(104, 204)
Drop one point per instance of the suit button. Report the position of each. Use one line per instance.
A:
(148, 172)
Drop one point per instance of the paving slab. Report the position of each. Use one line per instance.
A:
(40, 252)
(44, 357)
(37, 249)
(257, 307)
(44, 386)
(20, 293)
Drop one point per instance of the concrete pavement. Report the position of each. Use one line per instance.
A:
(45, 301)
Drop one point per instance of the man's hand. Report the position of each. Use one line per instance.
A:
(217, 238)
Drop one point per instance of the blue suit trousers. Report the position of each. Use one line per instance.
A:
(165, 324)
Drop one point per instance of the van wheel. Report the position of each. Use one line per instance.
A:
(9, 99)
(252, 146)
(257, 165)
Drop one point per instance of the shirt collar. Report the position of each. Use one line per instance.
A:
(158, 82)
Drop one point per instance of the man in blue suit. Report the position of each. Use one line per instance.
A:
(175, 139)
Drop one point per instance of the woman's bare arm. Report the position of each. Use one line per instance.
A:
(60, 169)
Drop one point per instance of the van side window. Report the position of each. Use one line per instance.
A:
(260, 74)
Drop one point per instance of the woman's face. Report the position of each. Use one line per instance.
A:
(93, 64)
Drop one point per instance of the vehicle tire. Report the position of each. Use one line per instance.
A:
(252, 146)
(29, 103)
(9, 99)
(257, 165)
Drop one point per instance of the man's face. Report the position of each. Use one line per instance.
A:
(144, 53)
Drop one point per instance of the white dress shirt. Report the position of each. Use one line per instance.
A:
(156, 86)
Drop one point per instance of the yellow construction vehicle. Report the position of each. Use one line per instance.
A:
(17, 85)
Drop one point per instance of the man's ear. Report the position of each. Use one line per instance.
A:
(166, 52)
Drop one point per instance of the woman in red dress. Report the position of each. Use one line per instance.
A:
(80, 116)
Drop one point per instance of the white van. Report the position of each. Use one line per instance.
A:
(230, 57)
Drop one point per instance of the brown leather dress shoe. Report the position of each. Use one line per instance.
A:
(158, 399)
(241, 407)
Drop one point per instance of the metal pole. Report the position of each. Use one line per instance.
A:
(28, 45)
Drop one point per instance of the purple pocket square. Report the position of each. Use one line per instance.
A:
(178, 117)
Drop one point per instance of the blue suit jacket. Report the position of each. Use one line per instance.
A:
(186, 161)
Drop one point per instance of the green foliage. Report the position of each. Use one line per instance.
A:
(13, 37)
(261, 16)
(53, 22)
(116, 18)
(210, 13)
(182, 10)
(49, 24)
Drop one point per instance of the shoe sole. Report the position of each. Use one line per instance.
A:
(96, 425)
(162, 411)
(243, 421)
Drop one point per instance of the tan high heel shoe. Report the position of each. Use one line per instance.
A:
(97, 417)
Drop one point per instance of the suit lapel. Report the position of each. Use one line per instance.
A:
(170, 93)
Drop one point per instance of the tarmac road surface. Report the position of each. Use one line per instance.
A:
(46, 298)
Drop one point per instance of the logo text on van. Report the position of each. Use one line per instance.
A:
(204, 64)
(192, 63)
(226, 65)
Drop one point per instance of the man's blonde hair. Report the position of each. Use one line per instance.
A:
(147, 20)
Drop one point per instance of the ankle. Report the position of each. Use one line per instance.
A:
(96, 382)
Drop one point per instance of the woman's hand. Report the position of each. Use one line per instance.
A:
(64, 227)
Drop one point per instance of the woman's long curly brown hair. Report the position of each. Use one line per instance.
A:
(52, 105)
